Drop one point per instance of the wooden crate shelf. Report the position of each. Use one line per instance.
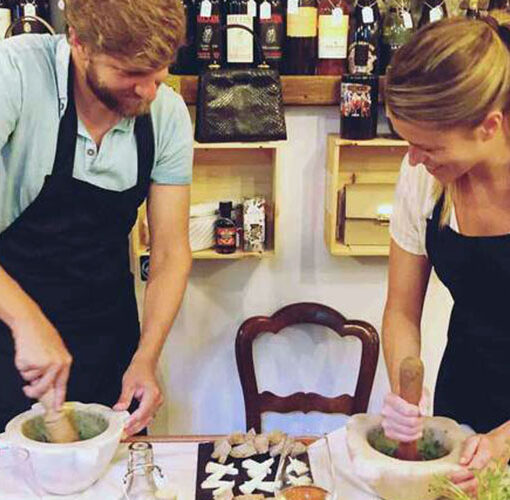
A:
(376, 161)
(297, 90)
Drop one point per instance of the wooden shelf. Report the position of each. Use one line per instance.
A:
(297, 90)
(211, 254)
(238, 145)
(349, 162)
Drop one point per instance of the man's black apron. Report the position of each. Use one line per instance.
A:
(472, 385)
(69, 251)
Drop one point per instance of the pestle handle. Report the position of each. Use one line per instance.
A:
(59, 427)
(411, 388)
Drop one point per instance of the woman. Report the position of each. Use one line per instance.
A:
(448, 95)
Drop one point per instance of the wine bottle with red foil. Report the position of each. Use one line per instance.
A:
(5, 18)
(333, 37)
(432, 11)
(364, 38)
(271, 30)
(208, 31)
(301, 42)
(240, 42)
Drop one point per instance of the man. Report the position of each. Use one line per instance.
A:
(87, 133)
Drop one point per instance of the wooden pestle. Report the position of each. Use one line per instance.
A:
(59, 427)
(411, 388)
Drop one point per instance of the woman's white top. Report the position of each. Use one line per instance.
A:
(413, 205)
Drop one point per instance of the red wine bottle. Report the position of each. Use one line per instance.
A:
(208, 34)
(301, 43)
(271, 30)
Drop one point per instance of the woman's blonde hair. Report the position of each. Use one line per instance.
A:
(147, 32)
(450, 74)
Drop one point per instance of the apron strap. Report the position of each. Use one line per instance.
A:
(436, 214)
(144, 133)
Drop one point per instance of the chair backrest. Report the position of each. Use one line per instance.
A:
(256, 403)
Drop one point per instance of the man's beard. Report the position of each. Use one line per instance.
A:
(124, 107)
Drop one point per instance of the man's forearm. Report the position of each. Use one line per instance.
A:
(163, 297)
(401, 338)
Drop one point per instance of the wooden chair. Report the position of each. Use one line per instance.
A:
(257, 403)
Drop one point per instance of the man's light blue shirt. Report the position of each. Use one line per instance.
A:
(33, 98)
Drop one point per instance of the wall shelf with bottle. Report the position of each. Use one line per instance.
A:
(223, 172)
(360, 180)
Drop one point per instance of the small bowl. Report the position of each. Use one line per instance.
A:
(310, 492)
(65, 469)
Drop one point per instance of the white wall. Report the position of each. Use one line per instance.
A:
(198, 370)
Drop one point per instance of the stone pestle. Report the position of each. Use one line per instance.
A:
(411, 388)
(59, 427)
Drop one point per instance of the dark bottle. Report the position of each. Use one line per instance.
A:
(301, 42)
(432, 11)
(30, 16)
(499, 5)
(472, 11)
(333, 37)
(225, 230)
(270, 29)
(57, 17)
(5, 18)
(364, 38)
(358, 106)
(208, 34)
(187, 56)
(397, 30)
(240, 42)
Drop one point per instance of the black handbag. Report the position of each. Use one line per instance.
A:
(240, 105)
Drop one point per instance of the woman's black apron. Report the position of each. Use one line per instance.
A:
(69, 251)
(472, 385)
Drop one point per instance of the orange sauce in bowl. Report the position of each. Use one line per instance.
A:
(304, 493)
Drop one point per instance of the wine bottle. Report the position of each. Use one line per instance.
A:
(225, 229)
(432, 11)
(5, 18)
(333, 32)
(34, 11)
(472, 11)
(271, 30)
(186, 56)
(208, 31)
(397, 29)
(301, 42)
(57, 17)
(364, 38)
(239, 41)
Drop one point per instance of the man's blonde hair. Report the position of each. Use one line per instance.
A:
(147, 32)
(451, 74)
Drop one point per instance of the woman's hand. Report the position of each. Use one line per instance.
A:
(478, 452)
(140, 382)
(403, 421)
(41, 357)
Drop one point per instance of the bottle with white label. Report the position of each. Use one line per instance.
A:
(240, 42)
(363, 55)
(208, 31)
(35, 12)
(301, 42)
(397, 30)
(5, 18)
(333, 41)
(432, 11)
(270, 28)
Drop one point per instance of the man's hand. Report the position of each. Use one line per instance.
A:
(140, 382)
(478, 452)
(41, 357)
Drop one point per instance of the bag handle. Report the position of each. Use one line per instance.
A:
(259, 50)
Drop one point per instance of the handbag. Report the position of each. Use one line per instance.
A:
(240, 104)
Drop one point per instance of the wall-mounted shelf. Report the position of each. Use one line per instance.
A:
(374, 162)
(297, 90)
(226, 171)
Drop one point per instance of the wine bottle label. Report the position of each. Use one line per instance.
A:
(208, 34)
(271, 36)
(30, 10)
(333, 37)
(356, 100)
(252, 8)
(239, 41)
(226, 236)
(362, 58)
(408, 20)
(265, 10)
(205, 8)
(367, 15)
(302, 24)
(436, 14)
(292, 6)
(5, 22)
